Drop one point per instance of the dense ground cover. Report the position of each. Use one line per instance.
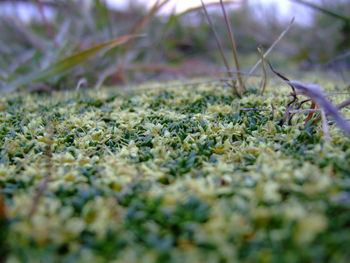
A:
(170, 173)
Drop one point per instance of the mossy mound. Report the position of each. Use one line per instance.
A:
(171, 174)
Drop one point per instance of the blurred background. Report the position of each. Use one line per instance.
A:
(178, 42)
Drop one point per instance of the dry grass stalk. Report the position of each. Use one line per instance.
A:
(323, 117)
(269, 50)
(265, 76)
(316, 94)
(319, 98)
(233, 46)
(309, 116)
(221, 50)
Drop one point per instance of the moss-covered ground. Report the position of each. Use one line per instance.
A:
(170, 174)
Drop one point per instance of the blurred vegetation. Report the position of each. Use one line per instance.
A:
(178, 45)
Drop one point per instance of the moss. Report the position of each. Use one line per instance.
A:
(172, 174)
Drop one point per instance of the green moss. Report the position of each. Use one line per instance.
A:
(172, 174)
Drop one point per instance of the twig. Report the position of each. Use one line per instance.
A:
(316, 94)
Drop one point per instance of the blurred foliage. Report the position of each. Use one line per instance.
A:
(176, 45)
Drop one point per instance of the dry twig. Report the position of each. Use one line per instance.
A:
(319, 98)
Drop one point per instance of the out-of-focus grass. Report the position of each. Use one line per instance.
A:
(176, 45)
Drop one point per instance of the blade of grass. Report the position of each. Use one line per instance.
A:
(221, 49)
(323, 10)
(71, 61)
(233, 45)
(197, 8)
(270, 49)
(144, 20)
